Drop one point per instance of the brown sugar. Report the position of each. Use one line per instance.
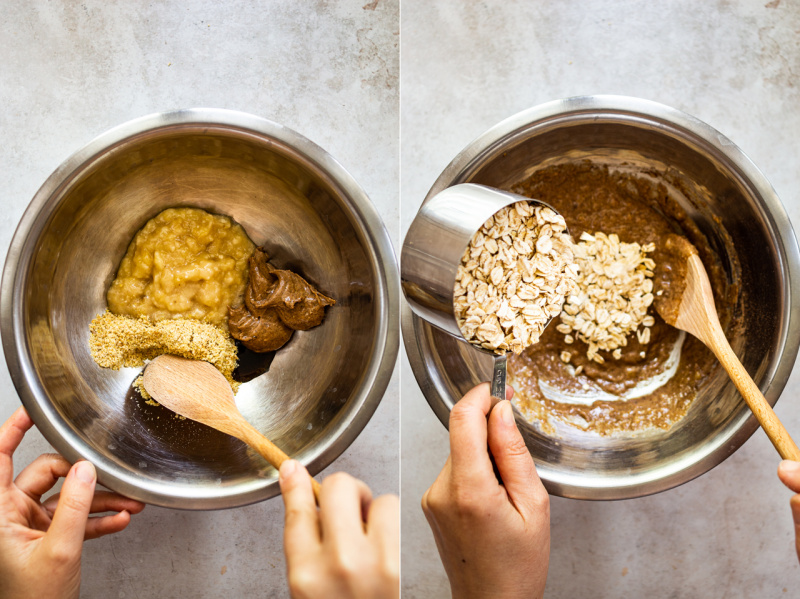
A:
(121, 341)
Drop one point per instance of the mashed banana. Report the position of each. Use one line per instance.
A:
(184, 263)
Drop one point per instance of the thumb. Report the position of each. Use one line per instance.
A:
(69, 521)
(789, 473)
(794, 502)
(301, 529)
(514, 462)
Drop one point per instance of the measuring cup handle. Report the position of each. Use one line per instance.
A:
(499, 379)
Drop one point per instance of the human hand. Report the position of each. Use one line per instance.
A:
(349, 548)
(494, 540)
(40, 543)
(789, 473)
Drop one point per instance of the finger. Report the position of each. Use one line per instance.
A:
(442, 479)
(514, 461)
(426, 510)
(344, 505)
(301, 532)
(103, 501)
(468, 437)
(795, 505)
(11, 434)
(510, 392)
(66, 533)
(38, 477)
(789, 473)
(106, 525)
(430, 498)
(383, 527)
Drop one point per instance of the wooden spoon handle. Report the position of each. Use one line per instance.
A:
(764, 413)
(271, 452)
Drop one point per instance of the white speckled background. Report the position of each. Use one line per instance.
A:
(69, 70)
(736, 65)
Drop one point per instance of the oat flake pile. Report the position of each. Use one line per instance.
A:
(615, 289)
(513, 278)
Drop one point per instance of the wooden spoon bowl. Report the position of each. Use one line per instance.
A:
(198, 391)
(688, 305)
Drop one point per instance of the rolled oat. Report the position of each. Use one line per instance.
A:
(615, 289)
(513, 278)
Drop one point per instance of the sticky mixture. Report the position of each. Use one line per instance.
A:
(182, 283)
(185, 262)
(648, 382)
(671, 276)
(276, 304)
(117, 341)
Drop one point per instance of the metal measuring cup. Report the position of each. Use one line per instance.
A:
(431, 255)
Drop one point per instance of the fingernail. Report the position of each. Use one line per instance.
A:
(85, 472)
(789, 467)
(288, 468)
(507, 413)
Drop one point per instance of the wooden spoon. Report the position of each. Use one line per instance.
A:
(691, 309)
(198, 391)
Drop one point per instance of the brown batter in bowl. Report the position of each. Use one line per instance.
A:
(593, 198)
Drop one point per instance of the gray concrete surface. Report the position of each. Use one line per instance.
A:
(70, 70)
(734, 64)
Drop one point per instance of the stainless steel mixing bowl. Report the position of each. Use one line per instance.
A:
(316, 394)
(731, 202)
